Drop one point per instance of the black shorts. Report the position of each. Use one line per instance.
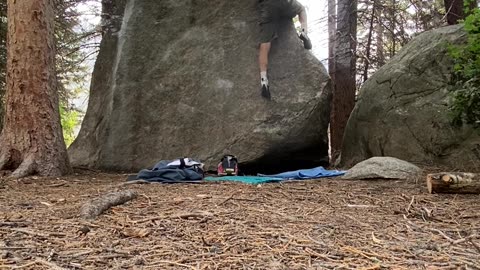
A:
(271, 12)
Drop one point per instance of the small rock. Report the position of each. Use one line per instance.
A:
(383, 168)
(84, 230)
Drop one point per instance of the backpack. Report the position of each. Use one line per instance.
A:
(228, 166)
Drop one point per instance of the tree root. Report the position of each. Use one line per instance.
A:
(26, 168)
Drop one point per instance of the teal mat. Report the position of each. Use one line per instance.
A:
(245, 179)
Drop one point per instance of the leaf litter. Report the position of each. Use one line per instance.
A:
(322, 224)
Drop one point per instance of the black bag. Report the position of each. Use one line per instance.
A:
(181, 170)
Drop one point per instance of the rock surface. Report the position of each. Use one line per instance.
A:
(383, 168)
(181, 78)
(402, 109)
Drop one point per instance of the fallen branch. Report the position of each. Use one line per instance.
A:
(37, 234)
(465, 183)
(97, 206)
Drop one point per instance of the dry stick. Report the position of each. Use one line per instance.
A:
(97, 206)
(15, 248)
(40, 261)
(201, 214)
(444, 235)
(57, 185)
(410, 205)
(475, 245)
(136, 182)
(228, 199)
(171, 263)
(49, 264)
(29, 232)
(25, 265)
(455, 242)
(13, 224)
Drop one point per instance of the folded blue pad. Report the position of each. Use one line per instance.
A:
(314, 173)
(245, 179)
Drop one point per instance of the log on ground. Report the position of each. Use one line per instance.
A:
(97, 206)
(454, 182)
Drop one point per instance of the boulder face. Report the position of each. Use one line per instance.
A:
(383, 168)
(180, 78)
(402, 110)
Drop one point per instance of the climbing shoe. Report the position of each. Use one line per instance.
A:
(306, 41)
(266, 91)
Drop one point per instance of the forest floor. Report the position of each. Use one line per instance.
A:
(322, 224)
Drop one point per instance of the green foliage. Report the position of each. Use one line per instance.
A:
(70, 119)
(465, 105)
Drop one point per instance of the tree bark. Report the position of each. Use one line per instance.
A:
(3, 57)
(369, 42)
(32, 140)
(393, 26)
(379, 43)
(457, 182)
(455, 10)
(332, 28)
(345, 61)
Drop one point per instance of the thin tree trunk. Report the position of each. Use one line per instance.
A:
(32, 140)
(345, 60)
(332, 27)
(379, 32)
(455, 10)
(393, 25)
(369, 43)
(3, 52)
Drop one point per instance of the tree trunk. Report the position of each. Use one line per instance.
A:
(3, 57)
(465, 183)
(369, 42)
(455, 10)
(345, 60)
(332, 28)
(393, 26)
(379, 33)
(32, 140)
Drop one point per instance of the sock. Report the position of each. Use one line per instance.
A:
(263, 78)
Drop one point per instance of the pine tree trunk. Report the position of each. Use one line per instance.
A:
(379, 43)
(455, 10)
(3, 52)
(345, 60)
(32, 139)
(393, 26)
(332, 27)
(369, 42)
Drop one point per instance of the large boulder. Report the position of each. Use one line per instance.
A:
(181, 78)
(402, 110)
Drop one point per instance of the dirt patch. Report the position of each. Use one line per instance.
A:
(324, 224)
